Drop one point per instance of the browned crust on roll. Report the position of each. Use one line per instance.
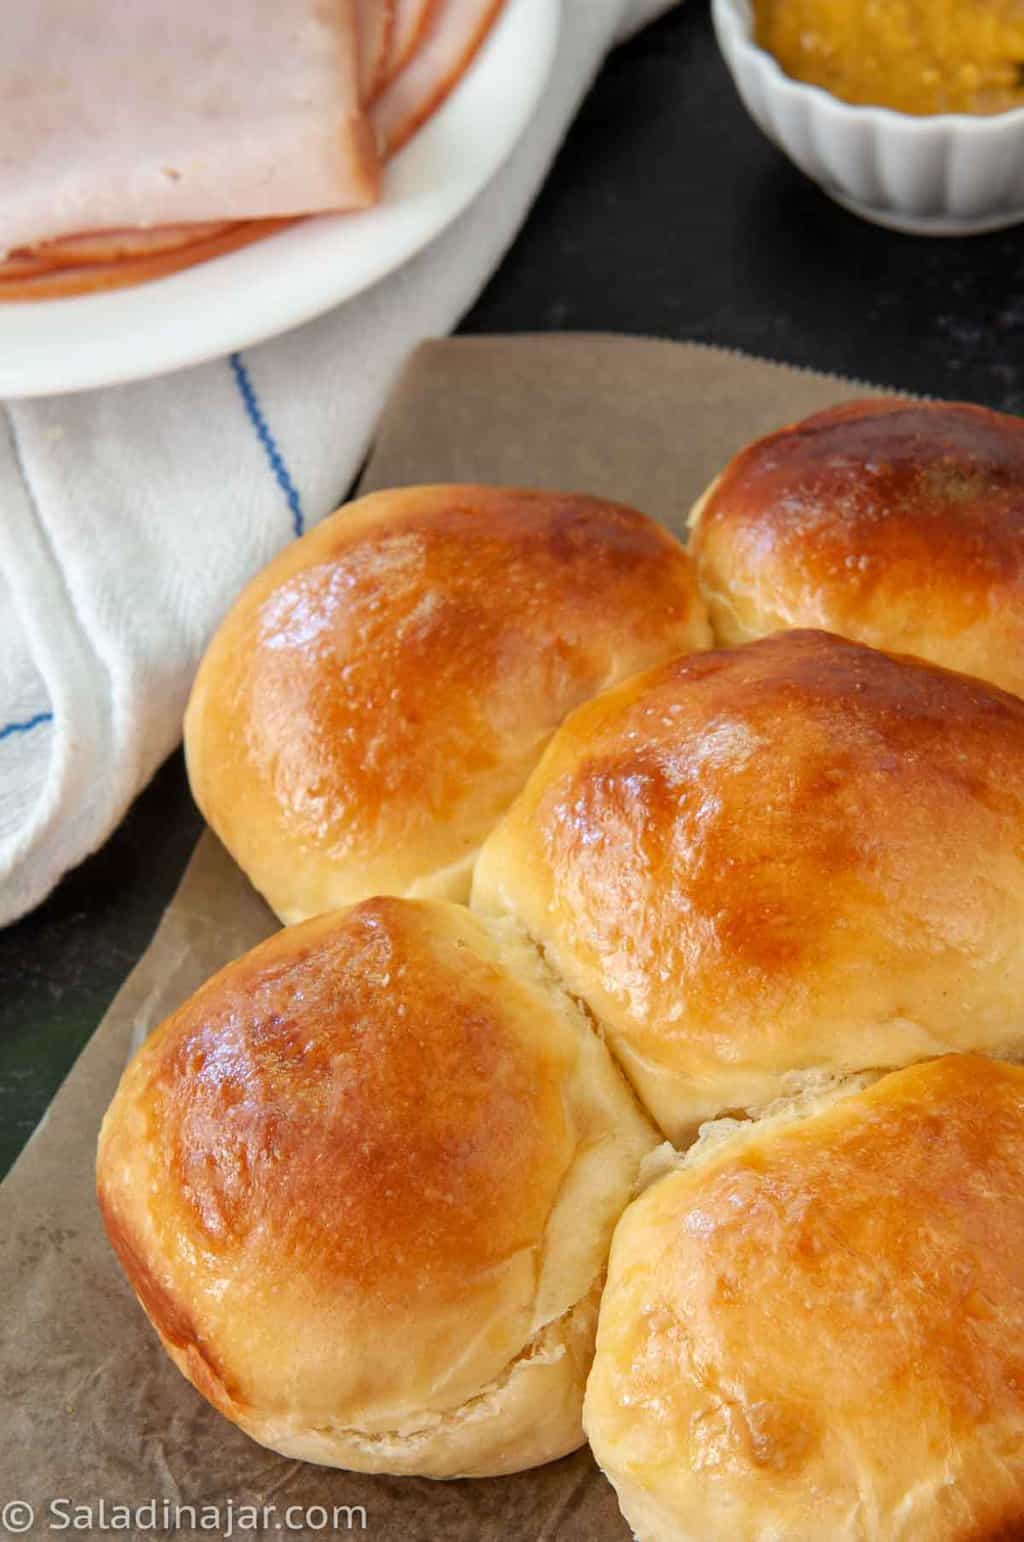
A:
(356, 1125)
(378, 695)
(815, 1326)
(280, 1097)
(831, 715)
(900, 524)
(174, 1324)
(364, 1182)
(794, 857)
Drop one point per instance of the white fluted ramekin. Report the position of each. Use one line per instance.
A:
(950, 174)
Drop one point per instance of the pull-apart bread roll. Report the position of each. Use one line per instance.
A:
(379, 694)
(813, 1329)
(900, 524)
(364, 1184)
(775, 865)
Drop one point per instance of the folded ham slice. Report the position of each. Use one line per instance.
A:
(455, 31)
(120, 113)
(410, 22)
(375, 26)
(36, 278)
(23, 265)
(123, 245)
(344, 49)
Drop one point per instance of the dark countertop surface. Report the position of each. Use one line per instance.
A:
(666, 213)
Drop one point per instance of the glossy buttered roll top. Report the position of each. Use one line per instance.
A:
(768, 867)
(899, 524)
(813, 1327)
(364, 1184)
(378, 695)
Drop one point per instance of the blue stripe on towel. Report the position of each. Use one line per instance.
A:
(275, 459)
(282, 476)
(26, 726)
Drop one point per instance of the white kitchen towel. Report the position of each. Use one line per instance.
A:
(130, 517)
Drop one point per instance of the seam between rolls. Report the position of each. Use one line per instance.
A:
(785, 1110)
(532, 1350)
(593, 1023)
(833, 1086)
(726, 601)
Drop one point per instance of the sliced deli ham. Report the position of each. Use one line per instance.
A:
(345, 49)
(34, 278)
(122, 245)
(410, 22)
(375, 28)
(124, 113)
(455, 31)
(23, 265)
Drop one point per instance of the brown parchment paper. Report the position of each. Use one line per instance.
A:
(90, 1407)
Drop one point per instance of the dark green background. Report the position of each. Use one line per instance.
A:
(666, 213)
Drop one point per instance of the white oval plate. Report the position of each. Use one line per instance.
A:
(52, 346)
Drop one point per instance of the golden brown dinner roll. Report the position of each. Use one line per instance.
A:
(897, 523)
(364, 1184)
(378, 695)
(777, 864)
(814, 1328)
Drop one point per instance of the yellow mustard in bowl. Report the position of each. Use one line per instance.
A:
(915, 56)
